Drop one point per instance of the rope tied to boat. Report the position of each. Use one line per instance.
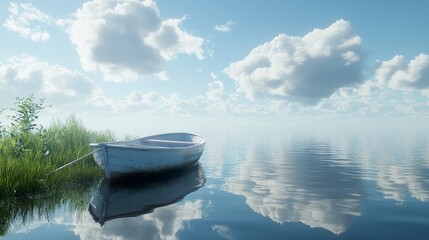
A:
(70, 163)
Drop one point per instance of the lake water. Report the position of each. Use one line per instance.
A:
(262, 183)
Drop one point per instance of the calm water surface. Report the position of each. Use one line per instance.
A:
(263, 183)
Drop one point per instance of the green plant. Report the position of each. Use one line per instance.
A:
(24, 160)
(23, 126)
(27, 189)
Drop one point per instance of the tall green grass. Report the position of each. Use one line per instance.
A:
(28, 153)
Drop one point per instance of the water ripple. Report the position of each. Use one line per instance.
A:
(320, 179)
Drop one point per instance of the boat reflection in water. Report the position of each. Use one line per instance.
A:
(136, 195)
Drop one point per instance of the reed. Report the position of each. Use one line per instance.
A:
(28, 153)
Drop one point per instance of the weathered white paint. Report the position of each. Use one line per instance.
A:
(149, 154)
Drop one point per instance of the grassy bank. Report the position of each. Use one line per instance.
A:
(28, 152)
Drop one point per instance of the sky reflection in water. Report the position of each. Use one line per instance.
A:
(313, 184)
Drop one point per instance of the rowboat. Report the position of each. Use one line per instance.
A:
(124, 199)
(148, 155)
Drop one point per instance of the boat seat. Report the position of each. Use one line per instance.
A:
(169, 141)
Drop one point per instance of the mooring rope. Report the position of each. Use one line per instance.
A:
(63, 166)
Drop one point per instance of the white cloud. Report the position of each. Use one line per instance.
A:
(64, 24)
(216, 101)
(226, 27)
(151, 102)
(213, 75)
(24, 75)
(216, 91)
(24, 19)
(397, 89)
(350, 57)
(397, 74)
(425, 92)
(170, 40)
(366, 100)
(305, 69)
(162, 76)
(127, 39)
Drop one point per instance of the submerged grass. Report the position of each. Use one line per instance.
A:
(28, 153)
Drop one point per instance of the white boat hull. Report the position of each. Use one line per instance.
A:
(151, 154)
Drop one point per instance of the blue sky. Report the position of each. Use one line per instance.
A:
(241, 61)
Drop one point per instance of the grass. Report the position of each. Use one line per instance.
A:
(28, 153)
(28, 174)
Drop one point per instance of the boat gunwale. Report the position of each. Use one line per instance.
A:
(126, 145)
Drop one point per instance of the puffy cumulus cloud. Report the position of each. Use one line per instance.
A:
(366, 100)
(219, 102)
(24, 75)
(24, 19)
(152, 102)
(398, 88)
(216, 101)
(216, 91)
(170, 103)
(370, 100)
(305, 69)
(170, 40)
(127, 39)
(397, 74)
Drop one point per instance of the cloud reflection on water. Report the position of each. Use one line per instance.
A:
(398, 162)
(294, 181)
(163, 223)
(318, 178)
(115, 205)
(321, 179)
